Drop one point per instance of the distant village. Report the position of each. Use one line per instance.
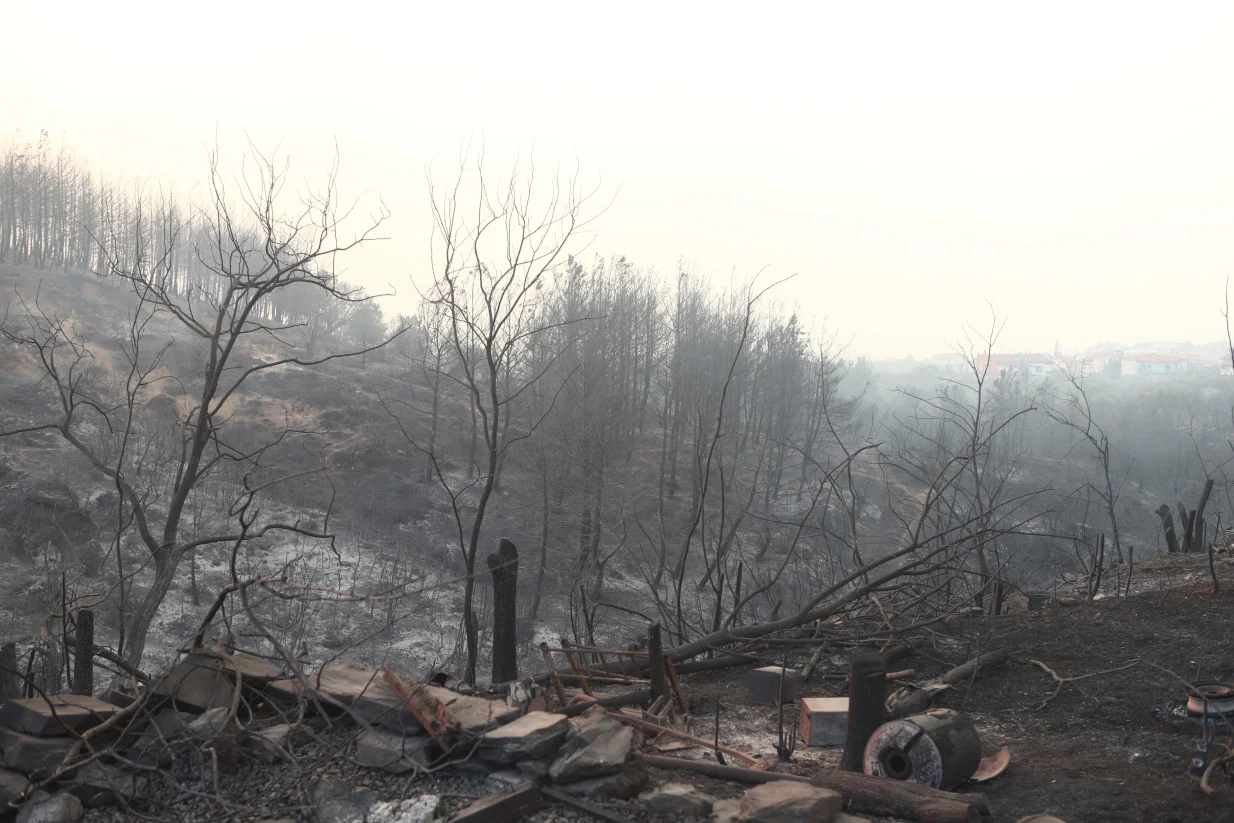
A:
(1106, 363)
(1113, 363)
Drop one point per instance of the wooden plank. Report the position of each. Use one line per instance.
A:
(506, 807)
(57, 715)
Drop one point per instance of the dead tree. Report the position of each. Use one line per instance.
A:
(492, 258)
(1073, 410)
(248, 251)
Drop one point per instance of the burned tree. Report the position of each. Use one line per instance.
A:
(248, 247)
(493, 256)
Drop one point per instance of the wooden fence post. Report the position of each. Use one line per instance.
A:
(503, 565)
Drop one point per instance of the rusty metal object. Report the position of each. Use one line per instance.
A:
(939, 749)
(437, 720)
(1211, 698)
(992, 766)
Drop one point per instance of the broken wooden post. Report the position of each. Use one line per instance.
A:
(867, 694)
(655, 660)
(1197, 529)
(1167, 523)
(503, 565)
(83, 657)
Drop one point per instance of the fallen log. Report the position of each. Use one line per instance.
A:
(861, 793)
(880, 797)
(974, 668)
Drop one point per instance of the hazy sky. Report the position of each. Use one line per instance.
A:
(1072, 162)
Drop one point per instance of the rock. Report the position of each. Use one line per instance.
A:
(503, 780)
(211, 723)
(471, 768)
(678, 798)
(604, 755)
(850, 818)
(393, 752)
(726, 810)
(55, 715)
(98, 784)
(335, 801)
(786, 801)
(415, 810)
(60, 808)
(533, 735)
(12, 786)
(268, 745)
(623, 785)
(198, 682)
(535, 769)
(30, 755)
(368, 695)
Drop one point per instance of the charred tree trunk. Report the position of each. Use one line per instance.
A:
(1167, 524)
(83, 659)
(503, 565)
(867, 693)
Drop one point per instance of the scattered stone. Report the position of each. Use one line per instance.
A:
(471, 768)
(535, 769)
(787, 801)
(393, 752)
(503, 781)
(60, 808)
(606, 754)
(678, 798)
(764, 685)
(97, 784)
(335, 801)
(420, 809)
(198, 682)
(30, 755)
(727, 810)
(268, 745)
(211, 723)
(12, 786)
(533, 735)
(58, 714)
(625, 784)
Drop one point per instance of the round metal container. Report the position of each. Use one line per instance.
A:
(1211, 697)
(939, 748)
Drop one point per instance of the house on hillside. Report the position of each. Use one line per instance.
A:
(1149, 364)
(1037, 365)
(1102, 362)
